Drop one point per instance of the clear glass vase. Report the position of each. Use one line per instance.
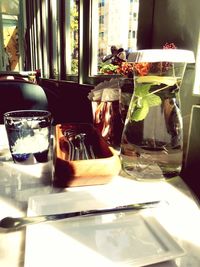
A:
(126, 86)
(152, 138)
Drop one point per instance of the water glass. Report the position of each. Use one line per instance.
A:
(28, 133)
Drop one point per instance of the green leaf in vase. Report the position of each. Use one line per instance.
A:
(142, 89)
(141, 110)
(143, 101)
(153, 100)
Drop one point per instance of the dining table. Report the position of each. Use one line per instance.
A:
(167, 235)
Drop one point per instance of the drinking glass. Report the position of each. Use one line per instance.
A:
(28, 133)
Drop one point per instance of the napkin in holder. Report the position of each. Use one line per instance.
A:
(98, 170)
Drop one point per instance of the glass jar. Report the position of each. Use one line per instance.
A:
(126, 86)
(152, 138)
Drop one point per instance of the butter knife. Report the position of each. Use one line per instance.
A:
(19, 222)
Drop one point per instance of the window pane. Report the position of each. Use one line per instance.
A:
(55, 40)
(45, 44)
(72, 25)
(114, 23)
(10, 7)
(196, 87)
(10, 43)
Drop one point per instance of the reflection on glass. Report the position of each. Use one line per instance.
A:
(114, 25)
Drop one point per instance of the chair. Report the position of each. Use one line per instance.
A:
(191, 169)
(20, 94)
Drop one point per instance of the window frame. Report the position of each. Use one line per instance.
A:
(43, 44)
(87, 52)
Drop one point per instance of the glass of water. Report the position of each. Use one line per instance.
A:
(28, 133)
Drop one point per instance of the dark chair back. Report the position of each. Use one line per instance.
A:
(19, 94)
(191, 170)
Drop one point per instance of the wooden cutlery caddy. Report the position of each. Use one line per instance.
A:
(79, 172)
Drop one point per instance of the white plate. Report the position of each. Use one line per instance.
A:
(123, 239)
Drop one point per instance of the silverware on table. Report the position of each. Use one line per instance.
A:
(83, 153)
(19, 222)
(77, 147)
(69, 137)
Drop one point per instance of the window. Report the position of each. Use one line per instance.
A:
(10, 29)
(114, 27)
(135, 15)
(101, 36)
(101, 3)
(101, 19)
(196, 90)
(74, 36)
(55, 39)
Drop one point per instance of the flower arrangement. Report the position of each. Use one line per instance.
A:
(124, 68)
(108, 69)
(144, 68)
(116, 63)
(150, 79)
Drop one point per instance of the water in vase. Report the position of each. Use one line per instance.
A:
(153, 147)
(152, 138)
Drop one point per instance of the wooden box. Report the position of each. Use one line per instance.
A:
(87, 171)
